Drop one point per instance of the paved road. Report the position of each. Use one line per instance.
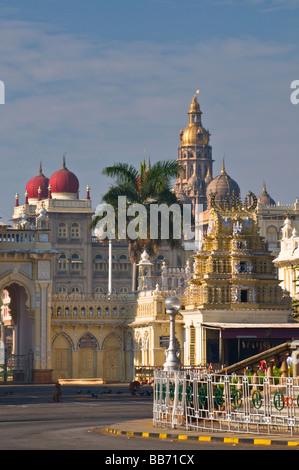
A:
(29, 420)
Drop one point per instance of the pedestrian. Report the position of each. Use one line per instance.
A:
(263, 365)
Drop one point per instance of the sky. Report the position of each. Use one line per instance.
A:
(112, 81)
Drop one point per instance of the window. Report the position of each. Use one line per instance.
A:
(123, 290)
(62, 262)
(124, 263)
(272, 234)
(75, 290)
(76, 263)
(62, 230)
(62, 290)
(99, 265)
(75, 231)
(99, 290)
(244, 295)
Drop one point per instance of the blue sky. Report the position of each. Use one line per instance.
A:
(109, 81)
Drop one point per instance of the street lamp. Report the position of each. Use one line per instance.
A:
(172, 305)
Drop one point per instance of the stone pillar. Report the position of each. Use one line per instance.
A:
(295, 356)
(42, 367)
(284, 369)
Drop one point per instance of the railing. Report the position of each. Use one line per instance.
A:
(17, 368)
(211, 402)
(17, 236)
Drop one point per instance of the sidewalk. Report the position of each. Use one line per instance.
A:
(144, 428)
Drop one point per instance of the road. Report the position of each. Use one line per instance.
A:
(29, 420)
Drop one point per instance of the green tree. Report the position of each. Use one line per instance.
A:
(146, 186)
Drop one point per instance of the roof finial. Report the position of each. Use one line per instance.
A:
(63, 162)
(223, 172)
(40, 168)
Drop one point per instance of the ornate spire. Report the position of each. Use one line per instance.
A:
(87, 192)
(63, 162)
(223, 172)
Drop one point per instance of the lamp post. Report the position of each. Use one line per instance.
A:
(172, 305)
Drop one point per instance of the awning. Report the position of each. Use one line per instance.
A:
(256, 330)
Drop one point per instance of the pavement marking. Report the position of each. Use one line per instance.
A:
(231, 440)
(226, 440)
(204, 438)
(264, 442)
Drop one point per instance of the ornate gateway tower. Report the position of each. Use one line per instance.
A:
(234, 305)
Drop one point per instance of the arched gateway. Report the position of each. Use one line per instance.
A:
(25, 290)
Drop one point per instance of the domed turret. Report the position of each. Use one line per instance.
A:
(194, 133)
(223, 186)
(193, 181)
(37, 187)
(64, 183)
(265, 199)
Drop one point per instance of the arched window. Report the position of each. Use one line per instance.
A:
(62, 290)
(124, 263)
(62, 262)
(272, 234)
(123, 290)
(99, 265)
(75, 290)
(75, 230)
(76, 262)
(99, 290)
(62, 230)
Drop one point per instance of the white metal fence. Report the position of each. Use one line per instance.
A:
(207, 401)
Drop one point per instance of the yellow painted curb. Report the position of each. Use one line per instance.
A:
(231, 440)
(204, 438)
(182, 436)
(163, 436)
(145, 434)
(264, 442)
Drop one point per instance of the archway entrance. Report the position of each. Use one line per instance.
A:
(112, 359)
(16, 334)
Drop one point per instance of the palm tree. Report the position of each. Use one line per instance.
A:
(146, 186)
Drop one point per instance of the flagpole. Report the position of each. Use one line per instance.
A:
(110, 269)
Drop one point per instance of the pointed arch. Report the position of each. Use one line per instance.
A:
(62, 348)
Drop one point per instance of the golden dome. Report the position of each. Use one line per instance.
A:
(194, 133)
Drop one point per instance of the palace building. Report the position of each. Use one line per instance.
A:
(61, 318)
